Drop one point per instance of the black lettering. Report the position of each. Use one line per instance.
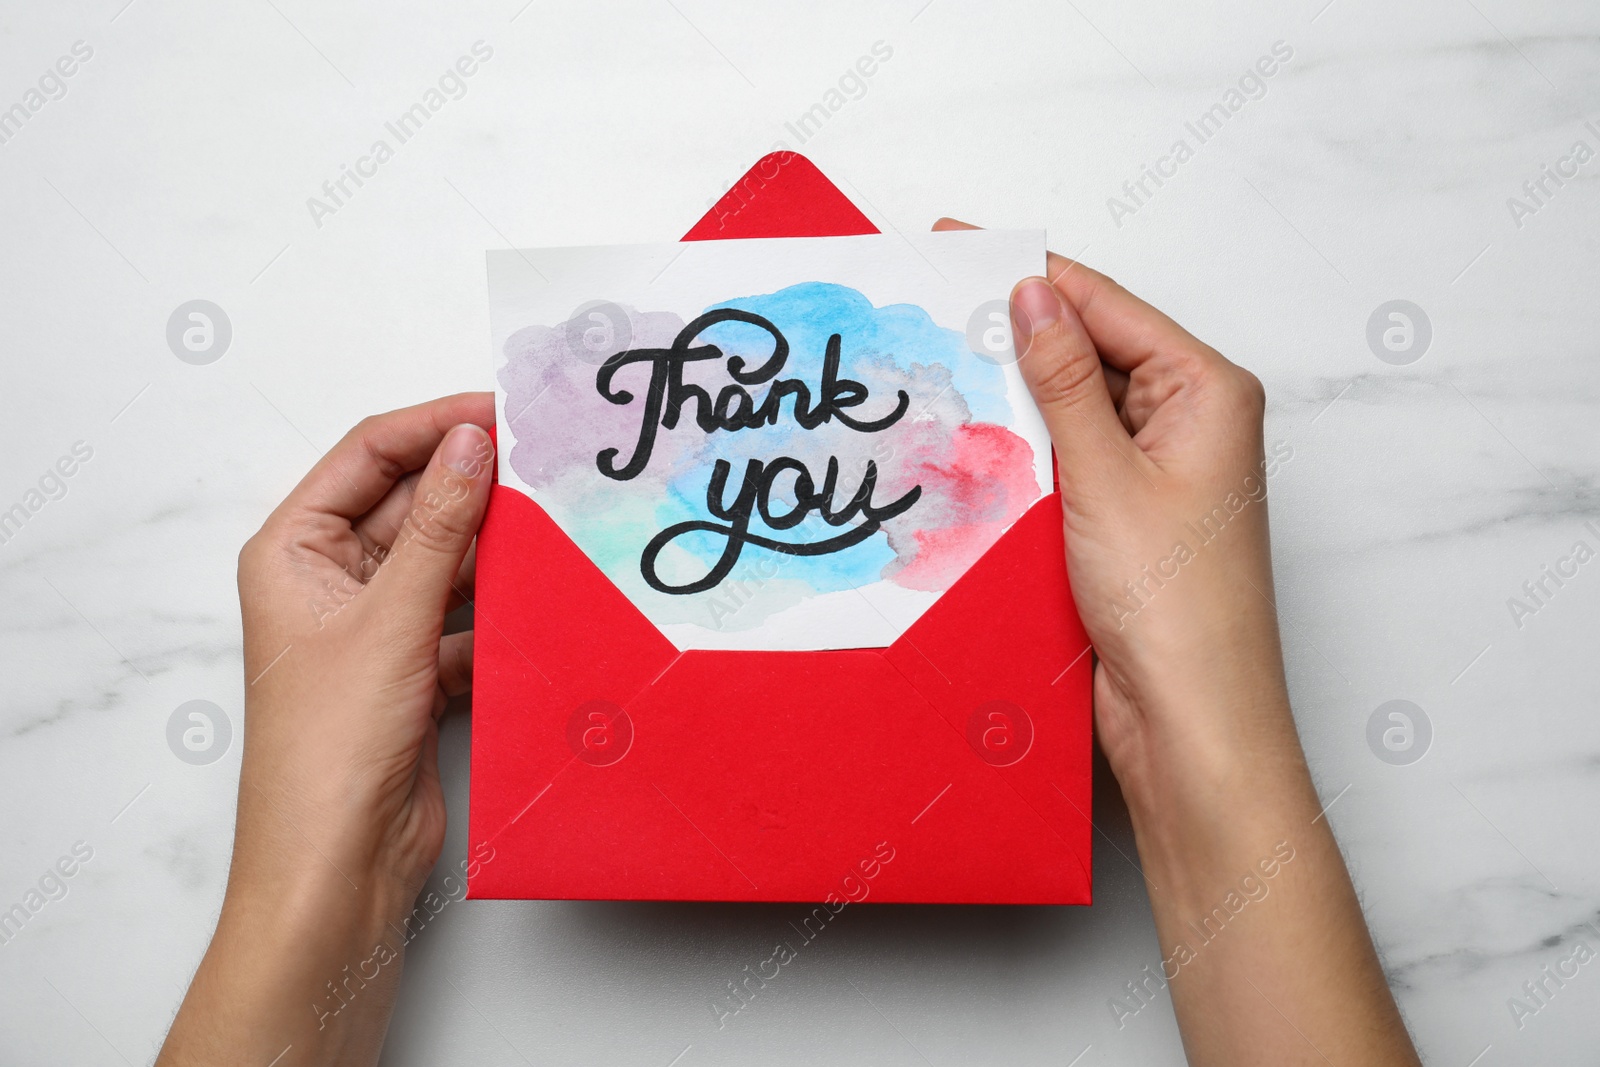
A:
(667, 396)
(755, 495)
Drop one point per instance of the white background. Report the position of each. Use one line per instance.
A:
(1419, 498)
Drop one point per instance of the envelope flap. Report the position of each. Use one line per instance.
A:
(783, 195)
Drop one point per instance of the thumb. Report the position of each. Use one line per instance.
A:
(1059, 362)
(447, 507)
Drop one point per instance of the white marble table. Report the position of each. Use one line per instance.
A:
(1375, 164)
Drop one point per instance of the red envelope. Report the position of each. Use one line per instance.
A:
(951, 767)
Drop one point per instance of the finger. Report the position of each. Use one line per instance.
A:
(947, 223)
(1126, 331)
(417, 580)
(357, 472)
(1063, 371)
(378, 528)
(455, 663)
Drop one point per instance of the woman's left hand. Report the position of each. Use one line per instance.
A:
(344, 593)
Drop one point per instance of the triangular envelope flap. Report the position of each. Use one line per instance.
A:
(783, 195)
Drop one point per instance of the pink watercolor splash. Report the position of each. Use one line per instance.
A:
(978, 482)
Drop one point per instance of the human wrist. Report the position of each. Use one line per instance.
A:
(305, 822)
(1213, 783)
(323, 877)
(314, 902)
(301, 973)
(309, 932)
(1209, 750)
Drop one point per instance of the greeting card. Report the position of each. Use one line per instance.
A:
(771, 444)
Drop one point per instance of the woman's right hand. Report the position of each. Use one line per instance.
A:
(1163, 494)
(1163, 491)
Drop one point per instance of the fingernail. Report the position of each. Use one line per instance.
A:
(1035, 307)
(466, 450)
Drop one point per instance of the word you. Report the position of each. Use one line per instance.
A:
(52, 85)
(1205, 530)
(452, 85)
(1252, 890)
(856, 887)
(52, 485)
(1551, 579)
(734, 410)
(342, 991)
(1539, 992)
(51, 886)
(1252, 85)
(1537, 191)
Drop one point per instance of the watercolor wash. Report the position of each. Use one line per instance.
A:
(776, 448)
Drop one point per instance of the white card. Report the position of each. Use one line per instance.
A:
(778, 444)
